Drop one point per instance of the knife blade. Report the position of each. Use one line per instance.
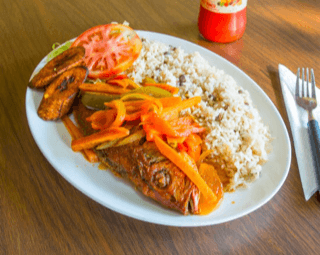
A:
(298, 119)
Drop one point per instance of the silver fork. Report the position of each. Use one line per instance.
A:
(308, 101)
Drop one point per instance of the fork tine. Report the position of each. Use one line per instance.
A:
(313, 84)
(302, 78)
(297, 83)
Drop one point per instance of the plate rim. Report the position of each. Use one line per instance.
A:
(185, 222)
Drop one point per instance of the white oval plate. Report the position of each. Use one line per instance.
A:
(120, 196)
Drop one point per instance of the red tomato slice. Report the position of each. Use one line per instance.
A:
(110, 49)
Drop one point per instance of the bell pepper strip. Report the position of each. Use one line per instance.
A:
(210, 176)
(102, 119)
(203, 156)
(170, 112)
(136, 96)
(186, 120)
(121, 112)
(118, 77)
(161, 125)
(133, 115)
(102, 88)
(131, 138)
(151, 132)
(169, 101)
(91, 141)
(76, 133)
(132, 84)
(193, 143)
(124, 83)
(152, 106)
(175, 141)
(107, 144)
(184, 162)
(186, 130)
(167, 87)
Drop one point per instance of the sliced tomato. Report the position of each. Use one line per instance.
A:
(110, 49)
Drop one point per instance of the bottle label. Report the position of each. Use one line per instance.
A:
(224, 6)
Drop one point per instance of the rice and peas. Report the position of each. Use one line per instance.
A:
(237, 136)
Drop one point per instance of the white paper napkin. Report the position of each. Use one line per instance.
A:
(298, 118)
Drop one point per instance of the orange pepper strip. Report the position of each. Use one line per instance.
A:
(186, 130)
(161, 125)
(169, 112)
(89, 142)
(118, 77)
(184, 162)
(121, 112)
(136, 96)
(102, 87)
(132, 84)
(203, 156)
(75, 133)
(193, 143)
(169, 101)
(187, 120)
(167, 87)
(102, 119)
(210, 176)
(119, 82)
(154, 106)
(151, 132)
(133, 116)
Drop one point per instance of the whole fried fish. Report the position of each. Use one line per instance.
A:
(152, 173)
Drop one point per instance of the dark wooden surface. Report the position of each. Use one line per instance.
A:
(41, 213)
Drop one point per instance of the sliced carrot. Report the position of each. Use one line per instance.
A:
(183, 161)
(167, 87)
(89, 142)
(75, 133)
(102, 87)
(170, 112)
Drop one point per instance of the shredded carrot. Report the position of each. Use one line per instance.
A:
(89, 142)
(184, 162)
(103, 88)
(75, 133)
(169, 112)
(167, 87)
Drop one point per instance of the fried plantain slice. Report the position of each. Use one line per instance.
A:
(70, 58)
(60, 94)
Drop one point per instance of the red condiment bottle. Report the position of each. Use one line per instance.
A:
(222, 20)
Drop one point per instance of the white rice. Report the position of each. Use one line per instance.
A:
(240, 140)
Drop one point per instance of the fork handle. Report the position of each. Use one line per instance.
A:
(314, 134)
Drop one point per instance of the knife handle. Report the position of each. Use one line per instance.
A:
(314, 134)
